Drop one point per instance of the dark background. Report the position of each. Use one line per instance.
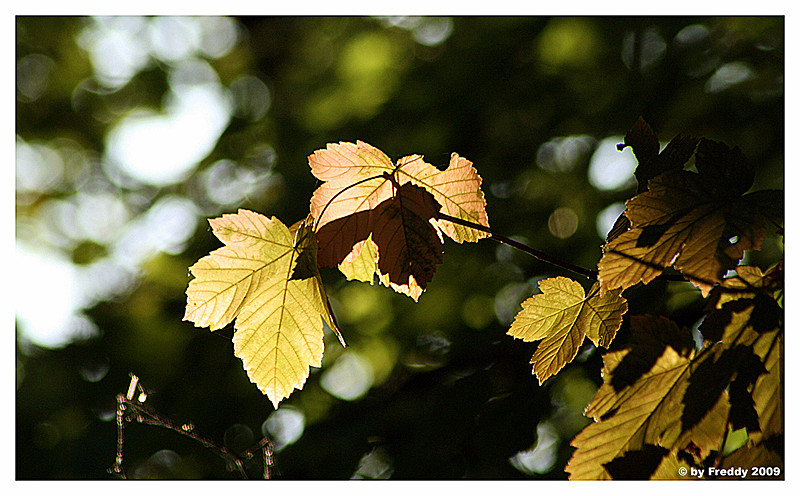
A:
(444, 392)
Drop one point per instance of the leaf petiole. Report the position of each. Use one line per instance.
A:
(361, 181)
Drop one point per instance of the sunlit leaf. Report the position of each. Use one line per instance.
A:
(683, 221)
(643, 403)
(362, 189)
(396, 240)
(266, 278)
(561, 316)
(361, 264)
(751, 318)
(457, 189)
(645, 145)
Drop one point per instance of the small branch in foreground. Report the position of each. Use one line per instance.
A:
(130, 406)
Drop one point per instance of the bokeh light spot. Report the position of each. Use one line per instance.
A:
(478, 311)
(53, 279)
(729, 75)
(542, 458)
(161, 149)
(568, 42)
(349, 378)
(251, 98)
(607, 217)
(563, 222)
(377, 464)
(433, 31)
(33, 75)
(609, 168)
(651, 49)
(284, 426)
(562, 154)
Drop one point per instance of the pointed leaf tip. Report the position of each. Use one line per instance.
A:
(562, 316)
(266, 278)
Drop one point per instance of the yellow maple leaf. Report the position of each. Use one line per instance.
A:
(562, 316)
(266, 278)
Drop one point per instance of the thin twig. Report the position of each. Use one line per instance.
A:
(749, 288)
(131, 407)
(544, 257)
(590, 274)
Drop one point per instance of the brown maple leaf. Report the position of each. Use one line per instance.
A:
(697, 222)
(363, 190)
(651, 163)
(406, 246)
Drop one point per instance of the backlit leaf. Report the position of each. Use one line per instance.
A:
(396, 240)
(657, 392)
(645, 145)
(681, 222)
(266, 278)
(561, 316)
(651, 406)
(361, 264)
(752, 319)
(363, 188)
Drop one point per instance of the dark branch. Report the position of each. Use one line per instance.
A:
(544, 257)
(590, 274)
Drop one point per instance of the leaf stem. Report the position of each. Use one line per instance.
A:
(589, 274)
(687, 277)
(540, 255)
(316, 221)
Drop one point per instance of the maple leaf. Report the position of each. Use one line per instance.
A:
(395, 241)
(361, 264)
(749, 287)
(266, 278)
(562, 316)
(759, 399)
(752, 319)
(361, 183)
(657, 409)
(697, 222)
(767, 393)
(659, 393)
(651, 163)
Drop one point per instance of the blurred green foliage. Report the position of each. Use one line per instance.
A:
(433, 390)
